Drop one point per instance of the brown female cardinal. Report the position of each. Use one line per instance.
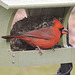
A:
(43, 38)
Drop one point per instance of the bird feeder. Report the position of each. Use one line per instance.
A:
(58, 8)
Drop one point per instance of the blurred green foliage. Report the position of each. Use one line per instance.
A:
(33, 70)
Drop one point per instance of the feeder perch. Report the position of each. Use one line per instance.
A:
(58, 8)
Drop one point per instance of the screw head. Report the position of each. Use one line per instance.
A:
(13, 61)
(13, 55)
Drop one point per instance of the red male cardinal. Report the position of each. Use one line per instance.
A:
(43, 38)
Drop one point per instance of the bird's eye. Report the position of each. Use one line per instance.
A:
(61, 29)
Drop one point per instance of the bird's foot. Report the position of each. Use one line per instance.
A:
(40, 50)
(53, 49)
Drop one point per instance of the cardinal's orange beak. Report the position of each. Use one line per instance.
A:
(64, 31)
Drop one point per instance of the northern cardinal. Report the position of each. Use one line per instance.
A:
(43, 38)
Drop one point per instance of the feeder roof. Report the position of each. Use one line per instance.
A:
(15, 4)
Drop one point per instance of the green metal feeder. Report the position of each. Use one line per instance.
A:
(59, 8)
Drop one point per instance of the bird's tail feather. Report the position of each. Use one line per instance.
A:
(11, 37)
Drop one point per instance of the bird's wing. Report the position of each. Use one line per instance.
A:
(44, 33)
